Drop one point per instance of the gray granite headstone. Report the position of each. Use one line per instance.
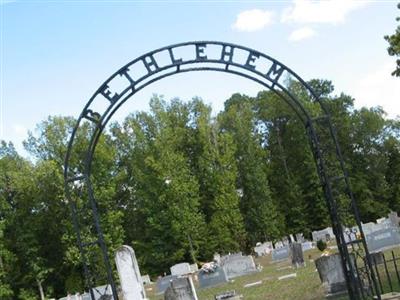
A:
(181, 288)
(324, 235)
(296, 253)
(212, 277)
(383, 239)
(236, 266)
(280, 253)
(330, 272)
(300, 238)
(194, 268)
(376, 258)
(307, 245)
(163, 283)
(394, 218)
(227, 257)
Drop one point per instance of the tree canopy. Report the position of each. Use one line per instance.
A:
(179, 183)
(394, 46)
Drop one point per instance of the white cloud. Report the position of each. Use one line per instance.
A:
(253, 20)
(379, 88)
(20, 131)
(322, 11)
(302, 34)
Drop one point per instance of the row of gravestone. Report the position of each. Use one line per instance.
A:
(222, 270)
(266, 248)
(380, 236)
(178, 284)
(294, 251)
(99, 293)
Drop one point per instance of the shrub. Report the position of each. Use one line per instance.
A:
(321, 245)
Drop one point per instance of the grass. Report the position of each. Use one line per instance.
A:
(305, 286)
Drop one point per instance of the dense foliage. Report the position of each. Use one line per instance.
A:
(179, 184)
(394, 46)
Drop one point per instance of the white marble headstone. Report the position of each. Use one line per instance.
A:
(129, 274)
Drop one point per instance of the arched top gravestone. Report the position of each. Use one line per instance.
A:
(129, 274)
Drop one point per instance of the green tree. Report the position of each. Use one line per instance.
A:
(261, 217)
(212, 156)
(165, 192)
(393, 173)
(394, 46)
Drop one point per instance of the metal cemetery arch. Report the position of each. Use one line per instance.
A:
(228, 58)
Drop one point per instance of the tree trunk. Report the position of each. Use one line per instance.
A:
(39, 283)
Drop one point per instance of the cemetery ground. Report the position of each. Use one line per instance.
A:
(305, 286)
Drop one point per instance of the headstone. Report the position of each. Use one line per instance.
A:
(285, 241)
(291, 238)
(300, 238)
(368, 227)
(99, 292)
(86, 296)
(376, 258)
(280, 253)
(180, 269)
(102, 292)
(236, 266)
(212, 277)
(330, 272)
(146, 279)
(129, 274)
(193, 268)
(383, 239)
(307, 246)
(163, 283)
(325, 235)
(181, 288)
(224, 258)
(296, 253)
(279, 244)
(263, 249)
(380, 220)
(229, 295)
(217, 258)
(394, 218)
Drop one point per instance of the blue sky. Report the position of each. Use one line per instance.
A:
(55, 54)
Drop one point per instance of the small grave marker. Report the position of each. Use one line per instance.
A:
(292, 275)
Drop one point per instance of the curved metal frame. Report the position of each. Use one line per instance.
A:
(237, 60)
